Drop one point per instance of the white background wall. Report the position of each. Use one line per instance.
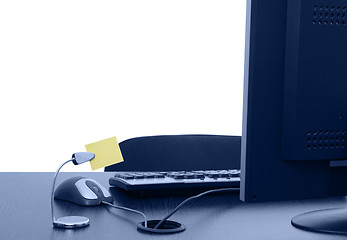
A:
(75, 72)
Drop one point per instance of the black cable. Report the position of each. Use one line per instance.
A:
(127, 209)
(191, 198)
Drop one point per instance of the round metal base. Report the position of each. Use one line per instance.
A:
(71, 222)
(165, 228)
(323, 221)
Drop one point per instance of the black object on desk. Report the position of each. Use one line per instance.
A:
(179, 153)
(144, 184)
(295, 103)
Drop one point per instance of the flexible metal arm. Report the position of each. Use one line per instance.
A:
(52, 194)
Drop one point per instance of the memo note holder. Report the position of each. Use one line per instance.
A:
(71, 221)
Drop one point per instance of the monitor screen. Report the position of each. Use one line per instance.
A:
(295, 101)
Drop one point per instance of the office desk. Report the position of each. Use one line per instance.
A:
(25, 214)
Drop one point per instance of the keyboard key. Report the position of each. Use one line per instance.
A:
(172, 174)
(213, 175)
(224, 175)
(124, 176)
(199, 175)
(148, 175)
(189, 175)
(157, 175)
(178, 176)
(234, 173)
(137, 175)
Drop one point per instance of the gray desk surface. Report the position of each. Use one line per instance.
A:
(25, 214)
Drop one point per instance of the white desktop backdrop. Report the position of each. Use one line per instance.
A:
(73, 72)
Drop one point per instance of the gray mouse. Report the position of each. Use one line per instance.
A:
(82, 191)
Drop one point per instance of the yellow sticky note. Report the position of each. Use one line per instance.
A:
(107, 153)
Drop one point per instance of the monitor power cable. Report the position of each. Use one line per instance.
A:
(191, 198)
(127, 209)
(159, 225)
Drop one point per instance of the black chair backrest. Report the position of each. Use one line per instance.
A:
(179, 152)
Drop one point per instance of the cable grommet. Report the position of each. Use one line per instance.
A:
(167, 227)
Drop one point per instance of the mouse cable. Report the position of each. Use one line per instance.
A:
(127, 209)
(191, 198)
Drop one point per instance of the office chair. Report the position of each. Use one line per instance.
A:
(179, 152)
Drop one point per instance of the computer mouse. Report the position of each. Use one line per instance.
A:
(82, 191)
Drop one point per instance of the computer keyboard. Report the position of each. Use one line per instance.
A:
(175, 182)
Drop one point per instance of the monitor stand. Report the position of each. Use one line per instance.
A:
(324, 221)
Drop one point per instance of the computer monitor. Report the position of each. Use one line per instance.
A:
(295, 103)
